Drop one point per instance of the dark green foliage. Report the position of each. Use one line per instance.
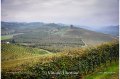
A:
(13, 41)
(75, 67)
(18, 76)
(84, 64)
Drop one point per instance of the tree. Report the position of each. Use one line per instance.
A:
(71, 26)
(13, 41)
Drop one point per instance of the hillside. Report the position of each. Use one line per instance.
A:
(85, 62)
(15, 52)
(111, 30)
(52, 37)
(90, 37)
(56, 39)
(40, 50)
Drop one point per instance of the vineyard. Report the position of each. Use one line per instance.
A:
(76, 63)
(53, 42)
(13, 54)
(59, 39)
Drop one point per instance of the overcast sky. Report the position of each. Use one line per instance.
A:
(79, 12)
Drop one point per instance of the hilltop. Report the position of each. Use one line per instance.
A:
(53, 34)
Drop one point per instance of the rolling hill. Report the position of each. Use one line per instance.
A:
(53, 37)
(11, 52)
(34, 50)
(111, 30)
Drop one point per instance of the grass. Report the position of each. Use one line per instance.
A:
(105, 73)
(6, 37)
(14, 55)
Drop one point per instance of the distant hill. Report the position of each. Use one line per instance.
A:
(112, 30)
(51, 34)
(90, 37)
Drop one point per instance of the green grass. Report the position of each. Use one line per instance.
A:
(105, 73)
(14, 55)
(11, 52)
(6, 37)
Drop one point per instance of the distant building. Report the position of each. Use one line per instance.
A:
(71, 26)
(7, 42)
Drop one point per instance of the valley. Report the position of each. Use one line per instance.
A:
(35, 50)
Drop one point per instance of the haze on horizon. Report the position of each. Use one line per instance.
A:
(78, 12)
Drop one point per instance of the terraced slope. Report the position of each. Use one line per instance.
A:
(13, 52)
(89, 37)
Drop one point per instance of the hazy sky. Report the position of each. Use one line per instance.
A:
(80, 12)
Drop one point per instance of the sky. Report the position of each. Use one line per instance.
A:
(78, 12)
